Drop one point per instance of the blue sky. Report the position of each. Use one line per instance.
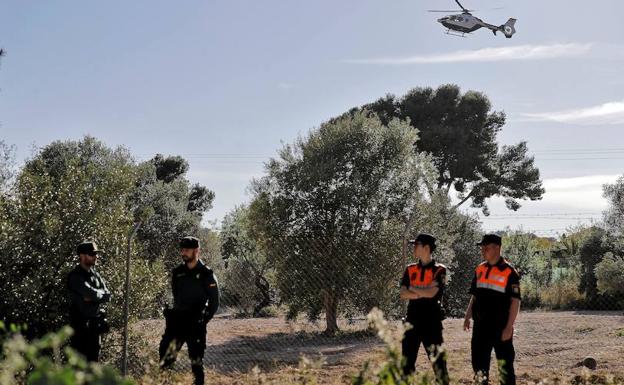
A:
(223, 83)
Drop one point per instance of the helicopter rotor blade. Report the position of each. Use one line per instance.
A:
(461, 6)
(447, 11)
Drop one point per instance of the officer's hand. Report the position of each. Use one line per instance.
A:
(466, 324)
(507, 333)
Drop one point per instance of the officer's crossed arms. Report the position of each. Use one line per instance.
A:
(414, 292)
(90, 293)
(87, 292)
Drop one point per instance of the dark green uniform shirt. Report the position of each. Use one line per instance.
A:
(87, 291)
(195, 291)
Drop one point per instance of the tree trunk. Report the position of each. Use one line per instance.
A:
(331, 311)
(265, 294)
(464, 200)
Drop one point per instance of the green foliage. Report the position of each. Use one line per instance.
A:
(247, 284)
(346, 186)
(176, 207)
(563, 273)
(7, 162)
(530, 255)
(68, 192)
(45, 362)
(609, 273)
(521, 249)
(390, 371)
(550, 269)
(76, 190)
(459, 131)
(614, 215)
(562, 293)
(170, 168)
(457, 235)
(591, 253)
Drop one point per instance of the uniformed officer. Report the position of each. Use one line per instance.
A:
(195, 301)
(423, 285)
(494, 306)
(87, 292)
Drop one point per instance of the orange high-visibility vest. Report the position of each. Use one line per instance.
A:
(494, 279)
(422, 277)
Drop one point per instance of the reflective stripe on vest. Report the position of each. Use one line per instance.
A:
(484, 285)
(495, 279)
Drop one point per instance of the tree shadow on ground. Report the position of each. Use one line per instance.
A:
(274, 351)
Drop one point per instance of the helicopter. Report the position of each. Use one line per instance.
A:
(466, 23)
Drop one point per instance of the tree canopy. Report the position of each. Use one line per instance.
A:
(460, 132)
(333, 207)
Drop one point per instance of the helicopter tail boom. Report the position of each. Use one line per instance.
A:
(508, 29)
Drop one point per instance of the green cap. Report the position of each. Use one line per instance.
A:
(87, 247)
(189, 243)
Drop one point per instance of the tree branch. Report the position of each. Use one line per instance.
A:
(466, 198)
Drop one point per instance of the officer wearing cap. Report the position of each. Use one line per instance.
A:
(87, 292)
(423, 285)
(494, 306)
(195, 302)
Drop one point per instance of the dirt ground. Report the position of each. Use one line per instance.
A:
(548, 345)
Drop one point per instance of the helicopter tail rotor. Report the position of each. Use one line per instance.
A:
(509, 28)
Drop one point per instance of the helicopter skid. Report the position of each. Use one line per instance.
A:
(457, 34)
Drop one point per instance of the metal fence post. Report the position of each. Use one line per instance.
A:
(124, 361)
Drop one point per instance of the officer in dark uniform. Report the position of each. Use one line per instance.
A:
(423, 285)
(195, 301)
(494, 306)
(87, 292)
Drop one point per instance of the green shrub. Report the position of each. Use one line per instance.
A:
(390, 372)
(561, 295)
(45, 361)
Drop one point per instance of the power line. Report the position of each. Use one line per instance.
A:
(598, 149)
(549, 231)
(548, 218)
(577, 159)
(547, 214)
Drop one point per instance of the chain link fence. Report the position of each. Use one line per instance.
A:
(310, 297)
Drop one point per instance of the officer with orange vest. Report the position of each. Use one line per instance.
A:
(423, 285)
(494, 306)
